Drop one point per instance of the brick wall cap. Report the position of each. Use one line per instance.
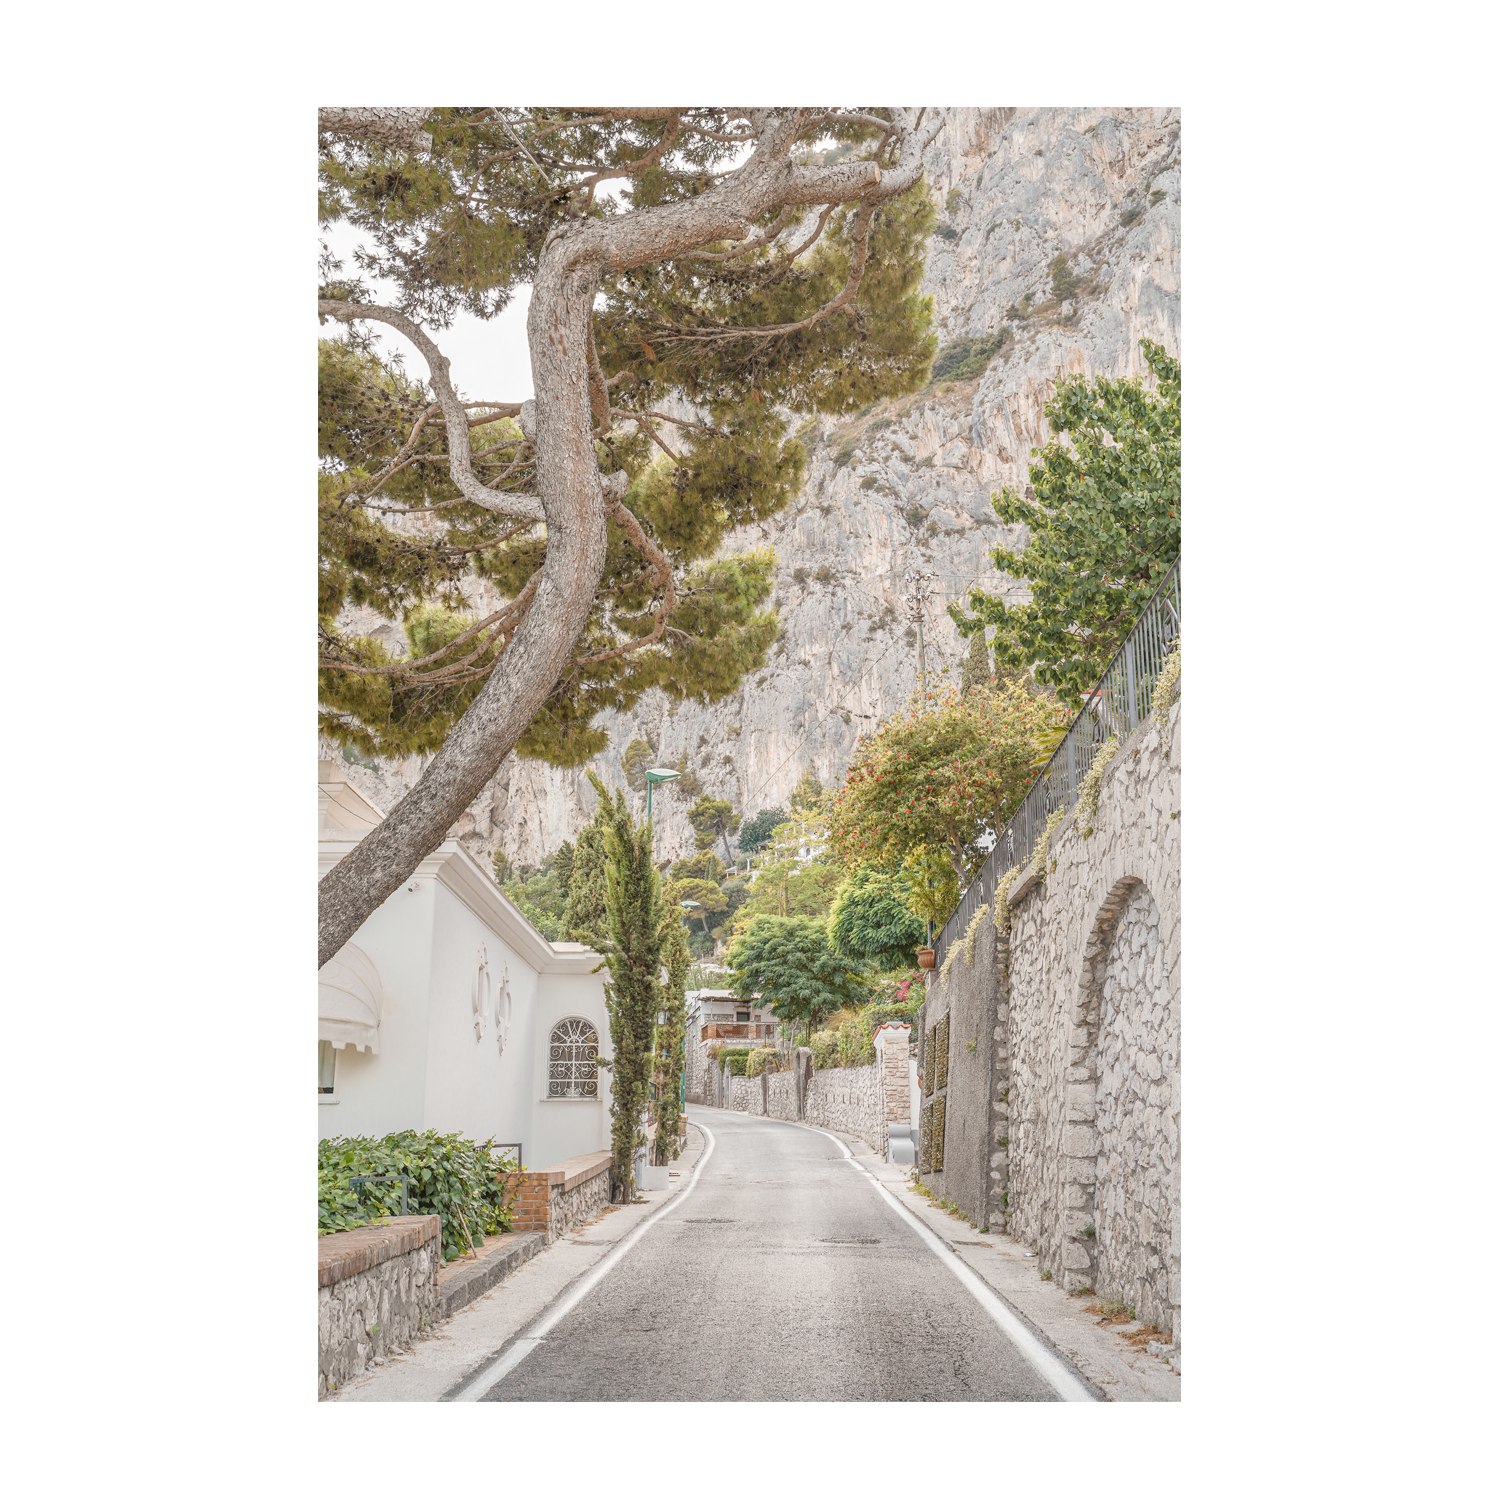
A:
(351, 1251)
(566, 1174)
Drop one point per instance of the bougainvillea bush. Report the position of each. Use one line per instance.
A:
(945, 771)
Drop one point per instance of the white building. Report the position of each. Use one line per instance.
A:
(449, 1011)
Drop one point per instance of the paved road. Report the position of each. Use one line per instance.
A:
(783, 1275)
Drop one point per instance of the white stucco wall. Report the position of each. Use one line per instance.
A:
(432, 1072)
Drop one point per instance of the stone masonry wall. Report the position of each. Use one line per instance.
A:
(377, 1286)
(579, 1203)
(1065, 1128)
(1091, 1041)
(968, 998)
(555, 1199)
(853, 1101)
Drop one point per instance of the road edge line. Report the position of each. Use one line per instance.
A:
(1047, 1363)
(479, 1383)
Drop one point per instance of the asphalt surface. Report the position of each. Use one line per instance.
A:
(783, 1275)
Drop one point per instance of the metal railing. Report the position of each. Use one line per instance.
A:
(1120, 701)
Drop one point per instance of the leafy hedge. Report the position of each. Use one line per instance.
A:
(733, 1060)
(762, 1060)
(447, 1175)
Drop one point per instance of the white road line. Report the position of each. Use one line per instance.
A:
(1062, 1380)
(481, 1384)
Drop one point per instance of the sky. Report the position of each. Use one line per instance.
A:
(489, 360)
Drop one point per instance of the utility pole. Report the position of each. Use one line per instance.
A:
(918, 586)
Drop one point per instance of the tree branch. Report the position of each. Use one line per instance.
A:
(460, 467)
(397, 129)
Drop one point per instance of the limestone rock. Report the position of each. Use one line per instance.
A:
(915, 490)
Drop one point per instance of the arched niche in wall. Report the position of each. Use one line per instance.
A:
(1121, 1122)
(351, 999)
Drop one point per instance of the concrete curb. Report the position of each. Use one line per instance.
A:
(479, 1277)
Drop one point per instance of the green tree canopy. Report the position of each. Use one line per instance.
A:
(636, 760)
(941, 774)
(596, 516)
(704, 865)
(714, 819)
(1103, 530)
(873, 919)
(789, 963)
(807, 796)
(755, 833)
(789, 889)
(670, 1043)
(709, 897)
(976, 672)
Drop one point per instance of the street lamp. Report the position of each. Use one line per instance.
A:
(655, 774)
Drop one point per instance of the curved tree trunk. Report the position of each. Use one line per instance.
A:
(569, 488)
(573, 260)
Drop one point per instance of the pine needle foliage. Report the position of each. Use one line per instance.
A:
(459, 228)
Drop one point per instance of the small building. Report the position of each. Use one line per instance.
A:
(719, 1018)
(449, 1011)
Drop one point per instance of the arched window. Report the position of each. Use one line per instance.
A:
(573, 1063)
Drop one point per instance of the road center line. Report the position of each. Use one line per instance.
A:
(489, 1375)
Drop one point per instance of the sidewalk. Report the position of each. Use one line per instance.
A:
(439, 1360)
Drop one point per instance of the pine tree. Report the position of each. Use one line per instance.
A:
(634, 906)
(788, 285)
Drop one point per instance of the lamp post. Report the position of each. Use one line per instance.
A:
(655, 774)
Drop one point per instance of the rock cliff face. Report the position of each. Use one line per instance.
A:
(908, 484)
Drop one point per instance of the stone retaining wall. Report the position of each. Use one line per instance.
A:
(556, 1199)
(377, 1286)
(1062, 1120)
(853, 1101)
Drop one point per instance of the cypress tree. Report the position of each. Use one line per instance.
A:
(633, 903)
(976, 663)
(670, 1038)
(586, 921)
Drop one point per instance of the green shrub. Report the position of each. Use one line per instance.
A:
(1129, 215)
(1064, 280)
(733, 1059)
(825, 1045)
(762, 1060)
(447, 1175)
(950, 206)
(844, 453)
(946, 232)
(1157, 196)
(855, 1048)
(867, 483)
(965, 358)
